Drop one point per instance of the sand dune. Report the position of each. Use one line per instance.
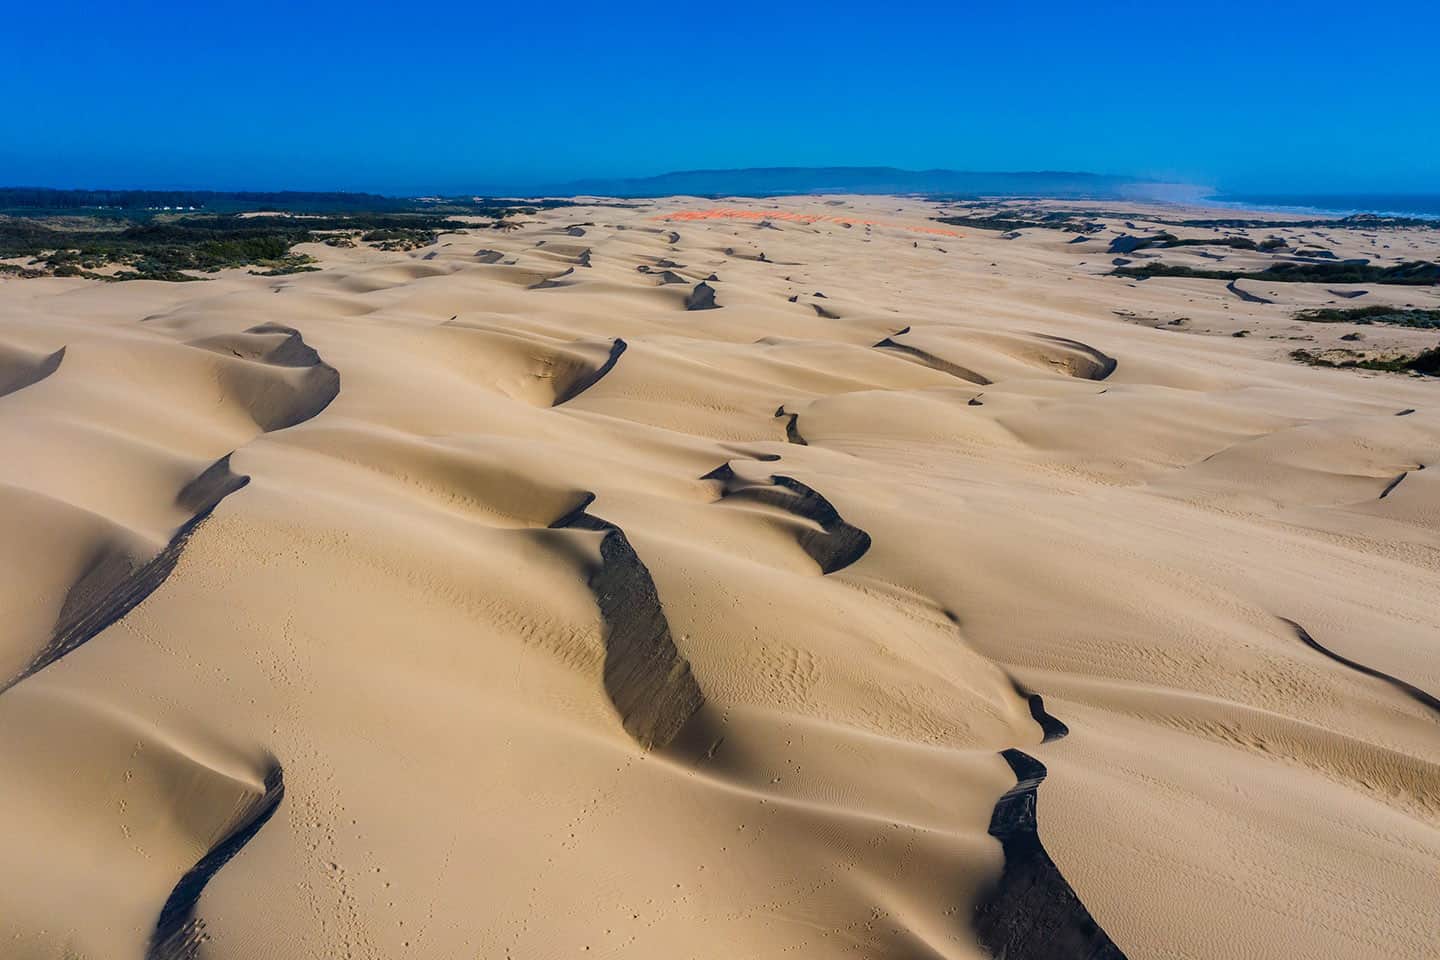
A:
(618, 585)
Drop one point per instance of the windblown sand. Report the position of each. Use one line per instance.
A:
(558, 620)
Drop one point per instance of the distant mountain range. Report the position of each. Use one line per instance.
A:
(749, 182)
(782, 181)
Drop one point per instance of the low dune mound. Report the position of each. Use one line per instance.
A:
(279, 379)
(123, 540)
(816, 525)
(572, 253)
(929, 359)
(1235, 288)
(22, 368)
(551, 281)
(181, 809)
(179, 932)
(530, 367)
(116, 579)
(1426, 699)
(268, 343)
(983, 357)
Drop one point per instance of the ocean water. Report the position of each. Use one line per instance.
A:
(1328, 204)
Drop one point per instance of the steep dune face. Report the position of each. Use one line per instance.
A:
(489, 600)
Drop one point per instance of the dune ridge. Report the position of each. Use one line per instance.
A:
(923, 599)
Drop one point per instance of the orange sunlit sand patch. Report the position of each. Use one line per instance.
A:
(730, 213)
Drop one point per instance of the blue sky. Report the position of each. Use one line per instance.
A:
(468, 96)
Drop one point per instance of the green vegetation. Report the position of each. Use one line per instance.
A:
(1359, 221)
(1392, 316)
(178, 234)
(146, 204)
(178, 248)
(154, 251)
(1426, 362)
(1413, 273)
(404, 238)
(1235, 243)
(1164, 241)
(1048, 221)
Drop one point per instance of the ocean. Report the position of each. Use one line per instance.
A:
(1394, 204)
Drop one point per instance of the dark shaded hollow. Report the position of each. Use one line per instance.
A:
(178, 932)
(792, 426)
(1104, 364)
(582, 384)
(1031, 912)
(834, 546)
(1392, 485)
(647, 680)
(701, 298)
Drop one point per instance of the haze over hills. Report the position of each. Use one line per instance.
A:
(780, 181)
(747, 182)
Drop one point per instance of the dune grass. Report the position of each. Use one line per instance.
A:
(1423, 319)
(1414, 273)
(1426, 362)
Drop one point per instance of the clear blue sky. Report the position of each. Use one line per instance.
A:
(475, 95)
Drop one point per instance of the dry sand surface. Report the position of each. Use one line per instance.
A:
(485, 601)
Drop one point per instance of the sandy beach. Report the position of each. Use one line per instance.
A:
(722, 579)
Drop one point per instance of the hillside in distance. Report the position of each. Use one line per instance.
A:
(781, 181)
